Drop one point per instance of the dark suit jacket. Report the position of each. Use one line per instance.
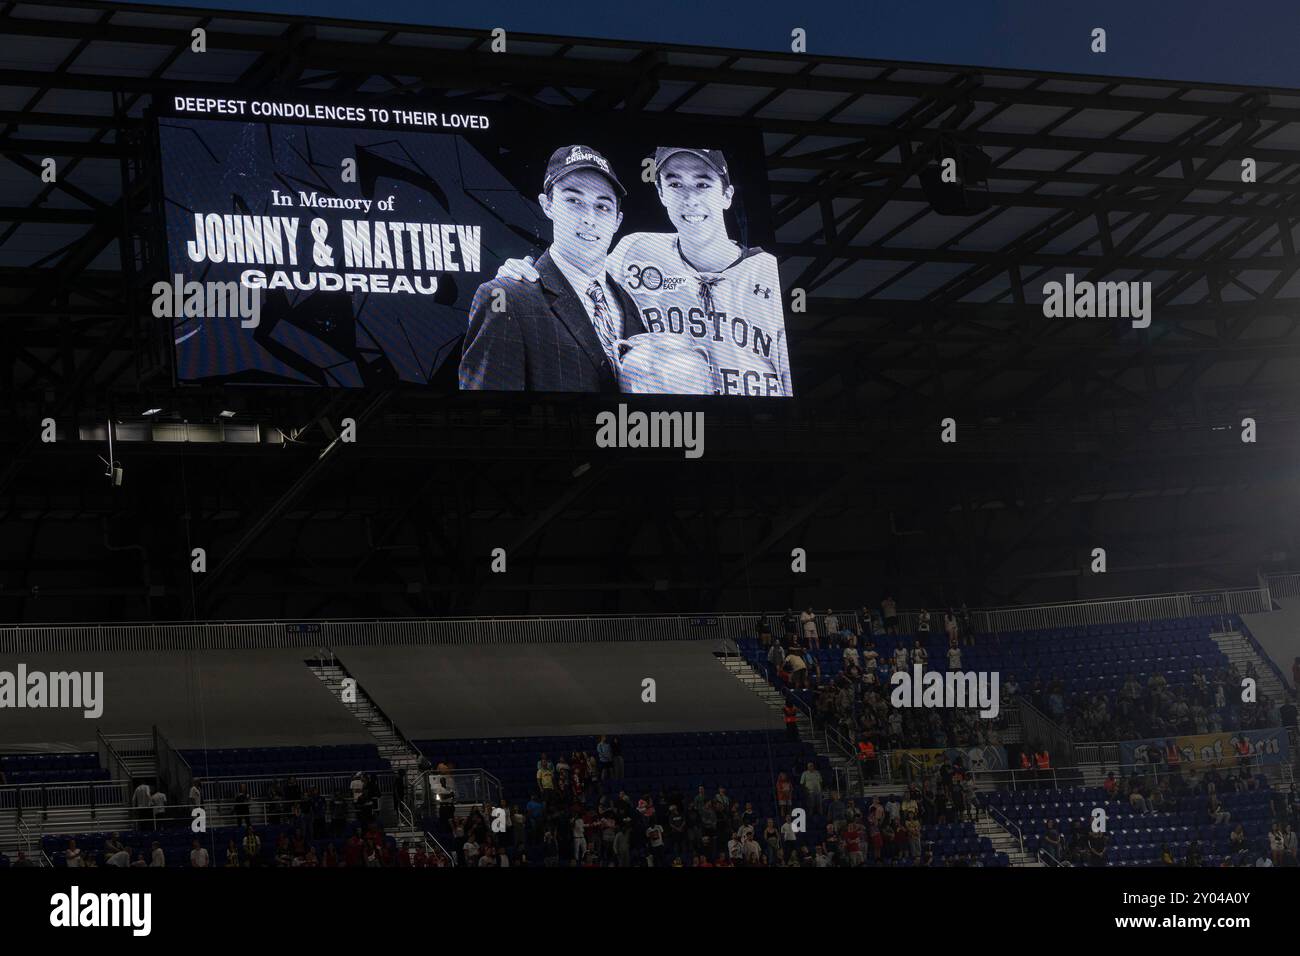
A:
(544, 340)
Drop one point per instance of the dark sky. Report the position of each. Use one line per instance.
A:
(1249, 41)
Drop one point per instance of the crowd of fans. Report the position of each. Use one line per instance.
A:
(855, 701)
(1153, 792)
(1154, 708)
(579, 816)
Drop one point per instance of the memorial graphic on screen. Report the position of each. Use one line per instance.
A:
(482, 250)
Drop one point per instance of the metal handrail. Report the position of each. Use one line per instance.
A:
(406, 817)
(117, 767)
(1005, 823)
(709, 625)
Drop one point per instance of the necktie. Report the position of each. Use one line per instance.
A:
(604, 321)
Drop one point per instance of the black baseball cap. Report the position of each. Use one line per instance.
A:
(713, 158)
(568, 159)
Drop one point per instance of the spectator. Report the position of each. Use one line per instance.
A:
(156, 857)
(890, 611)
(811, 781)
(115, 854)
(808, 627)
(853, 843)
(604, 757)
(143, 806)
(1276, 843)
(919, 654)
(913, 826)
(791, 718)
(832, 623)
(72, 855)
(1216, 810)
(797, 668)
(1096, 849)
(158, 802)
(789, 838)
(954, 654)
(252, 847)
(900, 656)
(788, 623)
(784, 793)
(850, 653)
(198, 854)
(196, 793)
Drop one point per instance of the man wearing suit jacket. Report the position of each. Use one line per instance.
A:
(558, 335)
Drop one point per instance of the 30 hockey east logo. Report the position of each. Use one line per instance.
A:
(651, 279)
(74, 909)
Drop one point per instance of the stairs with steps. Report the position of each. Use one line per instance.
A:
(740, 669)
(1239, 651)
(1004, 842)
(393, 747)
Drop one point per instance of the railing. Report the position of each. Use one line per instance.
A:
(1047, 858)
(1005, 823)
(23, 798)
(704, 625)
(128, 746)
(222, 791)
(406, 819)
(1106, 752)
(110, 759)
(1038, 729)
(174, 774)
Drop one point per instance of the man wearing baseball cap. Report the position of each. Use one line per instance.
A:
(698, 285)
(558, 335)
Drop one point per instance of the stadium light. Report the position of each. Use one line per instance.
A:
(151, 411)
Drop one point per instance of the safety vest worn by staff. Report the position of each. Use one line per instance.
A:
(866, 750)
(1025, 762)
(791, 715)
(1172, 756)
(1042, 761)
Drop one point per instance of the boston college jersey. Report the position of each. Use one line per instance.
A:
(735, 314)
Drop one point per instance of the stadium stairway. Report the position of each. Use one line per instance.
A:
(1241, 653)
(393, 746)
(740, 669)
(1005, 842)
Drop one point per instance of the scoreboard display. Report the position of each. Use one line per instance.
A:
(466, 245)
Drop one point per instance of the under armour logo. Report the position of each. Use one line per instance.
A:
(759, 290)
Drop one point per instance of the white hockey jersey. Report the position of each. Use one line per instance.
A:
(736, 314)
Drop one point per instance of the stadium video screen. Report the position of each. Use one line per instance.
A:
(460, 245)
